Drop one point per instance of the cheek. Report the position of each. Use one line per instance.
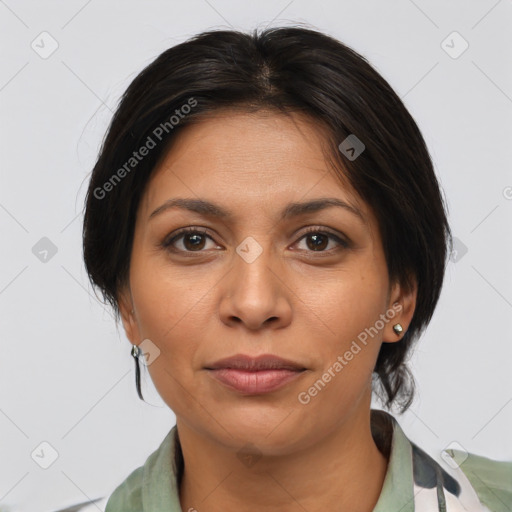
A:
(348, 352)
(345, 303)
(169, 311)
(167, 324)
(166, 296)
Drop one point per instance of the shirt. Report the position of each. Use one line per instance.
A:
(414, 481)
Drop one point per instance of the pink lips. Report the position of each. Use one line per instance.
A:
(255, 375)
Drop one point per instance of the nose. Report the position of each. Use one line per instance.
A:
(255, 294)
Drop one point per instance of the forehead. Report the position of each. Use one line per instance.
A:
(264, 143)
(264, 157)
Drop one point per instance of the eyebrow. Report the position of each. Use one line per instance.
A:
(210, 209)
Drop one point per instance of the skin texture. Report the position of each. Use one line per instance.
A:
(292, 301)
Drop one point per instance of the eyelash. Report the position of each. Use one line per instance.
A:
(168, 242)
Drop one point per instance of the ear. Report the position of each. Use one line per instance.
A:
(400, 310)
(126, 309)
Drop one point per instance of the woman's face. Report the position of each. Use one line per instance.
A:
(310, 286)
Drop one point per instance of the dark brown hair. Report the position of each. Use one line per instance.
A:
(287, 70)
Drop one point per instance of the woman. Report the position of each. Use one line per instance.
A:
(265, 219)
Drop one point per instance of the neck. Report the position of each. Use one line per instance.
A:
(343, 471)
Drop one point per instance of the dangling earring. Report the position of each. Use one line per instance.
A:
(136, 351)
(397, 328)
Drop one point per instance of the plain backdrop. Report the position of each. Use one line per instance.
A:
(67, 379)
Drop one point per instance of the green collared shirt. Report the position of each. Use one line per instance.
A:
(414, 481)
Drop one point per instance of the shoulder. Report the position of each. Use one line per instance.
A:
(491, 479)
(127, 497)
(459, 481)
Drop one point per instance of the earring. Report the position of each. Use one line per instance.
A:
(136, 351)
(397, 328)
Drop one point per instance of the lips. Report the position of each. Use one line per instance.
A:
(254, 375)
(248, 363)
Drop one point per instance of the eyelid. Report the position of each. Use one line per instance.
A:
(170, 239)
(342, 241)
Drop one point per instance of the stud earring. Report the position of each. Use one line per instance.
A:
(397, 328)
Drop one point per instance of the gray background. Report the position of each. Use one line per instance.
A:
(66, 374)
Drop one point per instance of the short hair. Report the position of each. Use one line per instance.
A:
(290, 69)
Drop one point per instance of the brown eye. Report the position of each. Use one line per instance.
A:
(317, 241)
(192, 240)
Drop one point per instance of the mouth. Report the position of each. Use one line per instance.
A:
(259, 363)
(255, 375)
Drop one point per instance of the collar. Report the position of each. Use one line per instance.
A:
(397, 489)
(413, 482)
(160, 491)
